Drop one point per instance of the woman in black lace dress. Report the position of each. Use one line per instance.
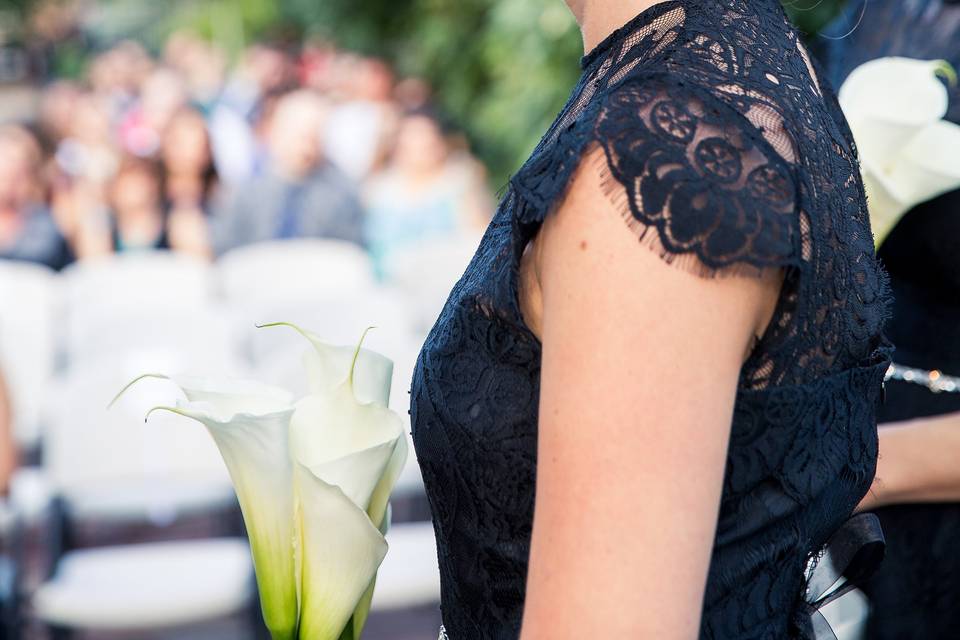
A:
(917, 590)
(669, 341)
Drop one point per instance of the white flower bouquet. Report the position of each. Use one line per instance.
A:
(313, 479)
(908, 153)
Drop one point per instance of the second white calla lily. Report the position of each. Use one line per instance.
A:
(326, 363)
(313, 480)
(908, 153)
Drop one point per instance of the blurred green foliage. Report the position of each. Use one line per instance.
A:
(501, 69)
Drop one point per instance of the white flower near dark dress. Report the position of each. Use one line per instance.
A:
(908, 153)
(313, 479)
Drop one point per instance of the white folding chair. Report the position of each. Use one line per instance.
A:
(109, 464)
(199, 338)
(338, 317)
(154, 279)
(290, 271)
(146, 586)
(27, 342)
(110, 467)
(113, 302)
(409, 576)
(427, 272)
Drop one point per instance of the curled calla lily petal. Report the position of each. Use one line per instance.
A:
(313, 481)
(908, 153)
(360, 448)
(888, 100)
(345, 443)
(328, 366)
(226, 396)
(250, 424)
(341, 553)
(931, 160)
(363, 607)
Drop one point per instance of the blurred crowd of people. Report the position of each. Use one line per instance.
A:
(183, 151)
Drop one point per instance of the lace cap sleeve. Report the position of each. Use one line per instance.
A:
(699, 181)
(695, 177)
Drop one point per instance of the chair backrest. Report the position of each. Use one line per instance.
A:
(151, 279)
(108, 301)
(112, 463)
(28, 296)
(198, 338)
(288, 271)
(428, 271)
(337, 317)
(276, 353)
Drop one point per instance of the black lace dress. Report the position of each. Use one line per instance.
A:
(726, 156)
(917, 590)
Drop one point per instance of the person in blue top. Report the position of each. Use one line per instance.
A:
(300, 194)
(27, 228)
(426, 193)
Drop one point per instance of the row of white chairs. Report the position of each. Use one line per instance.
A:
(163, 303)
(71, 340)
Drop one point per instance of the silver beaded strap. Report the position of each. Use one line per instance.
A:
(934, 380)
(443, 634)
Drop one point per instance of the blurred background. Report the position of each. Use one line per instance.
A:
(173, 172)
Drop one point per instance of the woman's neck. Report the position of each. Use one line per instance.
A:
(600, 18)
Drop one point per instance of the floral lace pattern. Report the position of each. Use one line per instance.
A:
(714, 140)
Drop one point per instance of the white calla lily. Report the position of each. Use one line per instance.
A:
(250, 424)
(908, 153)
(338, 568)
(364, 460)
(327, 367)
(313, 480)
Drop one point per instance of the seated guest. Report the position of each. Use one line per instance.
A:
(27, 229)
(190, 181)
(300, 194)
(189, 176)
(358, 129)
(426, 192)
(137, 219)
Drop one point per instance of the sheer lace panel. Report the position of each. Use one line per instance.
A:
(704, 180)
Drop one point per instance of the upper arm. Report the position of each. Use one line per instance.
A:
(639, 375)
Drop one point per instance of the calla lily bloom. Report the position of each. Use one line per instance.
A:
(250, 424)
(313, 480)
(908, 153)
(326, 364)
